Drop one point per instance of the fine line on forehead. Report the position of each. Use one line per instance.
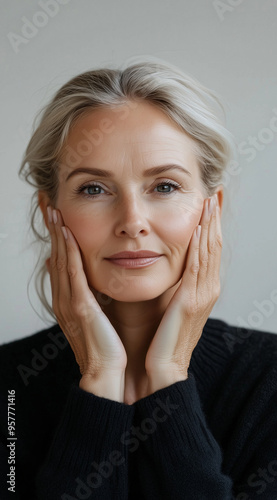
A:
(107, 173)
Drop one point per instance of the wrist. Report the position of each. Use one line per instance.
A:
(161, 379)
(108, 385)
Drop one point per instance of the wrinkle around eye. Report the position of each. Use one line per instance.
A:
(176, 187)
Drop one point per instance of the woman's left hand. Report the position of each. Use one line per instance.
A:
(168, 357)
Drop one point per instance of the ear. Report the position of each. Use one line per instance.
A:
(44, 201)
(220, 194)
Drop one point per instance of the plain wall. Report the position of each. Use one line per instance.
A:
(229, 46)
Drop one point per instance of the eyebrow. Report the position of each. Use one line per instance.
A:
(147, 173)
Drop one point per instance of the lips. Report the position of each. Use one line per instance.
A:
(134, 255)
(131, 260)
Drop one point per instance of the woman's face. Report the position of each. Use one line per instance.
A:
(132, 205)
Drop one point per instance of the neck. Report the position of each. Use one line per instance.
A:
(136, 324)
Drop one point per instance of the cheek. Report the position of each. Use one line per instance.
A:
(87, 230)
(179, 222)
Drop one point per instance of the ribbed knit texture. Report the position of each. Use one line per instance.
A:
(210, 437)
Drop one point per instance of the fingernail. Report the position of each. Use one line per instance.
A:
(55, 218)
(64, 232)
(49, 214)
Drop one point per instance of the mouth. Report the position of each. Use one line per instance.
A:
(135, 263)
(127, 254)
(130, 260)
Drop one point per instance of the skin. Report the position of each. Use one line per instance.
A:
(143, 305)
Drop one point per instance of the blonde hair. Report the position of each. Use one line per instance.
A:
(187, 102)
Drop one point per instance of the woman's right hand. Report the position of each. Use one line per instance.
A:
(97, 347)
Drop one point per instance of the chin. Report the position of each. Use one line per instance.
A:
(127, 296)
(137, 292)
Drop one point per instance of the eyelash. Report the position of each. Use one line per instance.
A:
(80, 190)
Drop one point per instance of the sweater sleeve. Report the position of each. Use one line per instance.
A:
(87, 458)
(180, 457)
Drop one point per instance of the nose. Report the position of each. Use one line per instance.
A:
(132, 219)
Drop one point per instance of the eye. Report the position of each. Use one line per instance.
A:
(92, 188)
(167, 187)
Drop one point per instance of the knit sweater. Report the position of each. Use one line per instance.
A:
(211, 436)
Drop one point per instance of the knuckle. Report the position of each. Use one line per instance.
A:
(217, 290)
(203, 259)
(58, 264)
(213, 248)
(71, 271)
(80, 309)
(194, 268)
(61, 264)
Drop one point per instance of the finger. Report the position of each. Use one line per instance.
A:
(53, 257)
(80, 292)
(188, 287)
(214, 248)
(64, 288)
(203, 250)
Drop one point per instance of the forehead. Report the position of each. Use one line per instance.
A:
(134, 130)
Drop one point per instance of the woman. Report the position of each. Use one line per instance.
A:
(135, 392)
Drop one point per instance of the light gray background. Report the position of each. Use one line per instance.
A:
(230, 46)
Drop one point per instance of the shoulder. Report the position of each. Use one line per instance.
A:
(22, 343)
(250, 341)
(21, 348)
(240, 345)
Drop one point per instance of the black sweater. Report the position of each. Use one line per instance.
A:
(212, 436)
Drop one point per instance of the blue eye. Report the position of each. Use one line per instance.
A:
(94, 189)
(167, 184)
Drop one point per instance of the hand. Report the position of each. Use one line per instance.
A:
(96, 345)
(170, 351)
